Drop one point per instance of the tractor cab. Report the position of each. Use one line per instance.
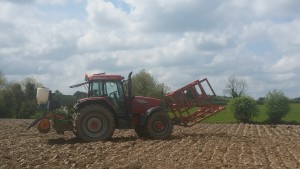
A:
(105, 89)
(109, 87)
(102, 85)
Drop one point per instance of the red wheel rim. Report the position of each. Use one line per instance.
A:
(159, 126)
(94, 124)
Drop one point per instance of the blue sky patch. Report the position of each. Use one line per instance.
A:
(120, 5)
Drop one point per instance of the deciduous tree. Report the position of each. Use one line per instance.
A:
(277, 105)
(6, 104)
(235, 87)
(2, 80)
(17, 99)
(244, 108)
(146, 85)
(17, 95)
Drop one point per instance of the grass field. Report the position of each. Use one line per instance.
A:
(225, 116)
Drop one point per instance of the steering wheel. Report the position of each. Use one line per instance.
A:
(113, 95)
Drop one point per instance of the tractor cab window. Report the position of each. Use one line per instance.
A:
(114, 91)
(96, 89)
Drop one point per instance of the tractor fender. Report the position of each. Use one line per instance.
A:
(88, 101)
(101, 101)
(149, 112)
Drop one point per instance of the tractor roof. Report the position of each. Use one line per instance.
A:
(99, 76)
(103, 76)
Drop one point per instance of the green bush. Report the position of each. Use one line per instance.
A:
(28, 108)
(277, 105)
(244, 108)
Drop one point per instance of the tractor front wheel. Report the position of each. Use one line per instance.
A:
(159, 125)
(141, 131)
(94, 123)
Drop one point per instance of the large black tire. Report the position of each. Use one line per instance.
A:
(141, 131)
(159, 125)
(73, 119)
(94, 123)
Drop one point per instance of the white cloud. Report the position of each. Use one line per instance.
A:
(176, 41)
(105, 16)
(287, 64)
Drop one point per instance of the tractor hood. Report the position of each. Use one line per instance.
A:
(141, 104)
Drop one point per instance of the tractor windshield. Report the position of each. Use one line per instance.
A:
(111, 89)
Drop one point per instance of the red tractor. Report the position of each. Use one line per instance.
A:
(110, 105)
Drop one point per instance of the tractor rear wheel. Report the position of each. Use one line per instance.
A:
(159, 125)
(94, 123)
(73, 119)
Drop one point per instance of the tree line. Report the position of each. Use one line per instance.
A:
(18, 99)
(245, 107)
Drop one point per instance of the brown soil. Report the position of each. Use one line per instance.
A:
(201, 146)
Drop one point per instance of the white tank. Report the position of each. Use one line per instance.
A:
(42, 95)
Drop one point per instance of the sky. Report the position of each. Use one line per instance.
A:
(177, 41)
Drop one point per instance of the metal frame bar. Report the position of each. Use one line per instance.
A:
(191, 108)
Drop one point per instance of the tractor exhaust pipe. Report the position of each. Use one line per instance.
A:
(129, 86)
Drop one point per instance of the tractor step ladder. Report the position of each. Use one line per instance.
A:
(192, 103)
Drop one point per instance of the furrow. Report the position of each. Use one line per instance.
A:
(238, 129)
(286, 157)
(296, 156)
(217, 151)
(258, 130)
(230, 130)
(245, 129)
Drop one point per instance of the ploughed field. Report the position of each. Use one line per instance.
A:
(201, 146)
